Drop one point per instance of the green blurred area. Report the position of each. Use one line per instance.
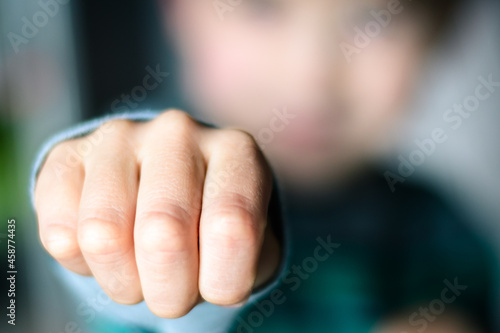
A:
(13, 182)
(14, 204)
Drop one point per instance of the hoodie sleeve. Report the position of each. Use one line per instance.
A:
(205, 317)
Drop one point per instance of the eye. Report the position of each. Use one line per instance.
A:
(361, 18)
(262, 9)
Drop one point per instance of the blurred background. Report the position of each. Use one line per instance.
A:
(83, 55)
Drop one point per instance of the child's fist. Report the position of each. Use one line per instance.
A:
(166, 211)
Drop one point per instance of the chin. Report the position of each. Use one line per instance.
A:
(308, 178)
(321, 175)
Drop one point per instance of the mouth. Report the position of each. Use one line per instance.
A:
(312, 131)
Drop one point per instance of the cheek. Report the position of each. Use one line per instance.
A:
(227, 72)
(223, 66)
(381, 80)
(384, 76)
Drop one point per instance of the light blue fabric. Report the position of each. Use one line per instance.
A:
(78, 131)
(204, 318)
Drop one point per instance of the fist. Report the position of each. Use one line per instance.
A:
(167, 211)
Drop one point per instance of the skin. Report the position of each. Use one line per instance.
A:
(269, 54)
(133, 210)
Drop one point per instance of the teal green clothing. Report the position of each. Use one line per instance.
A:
(397, 252)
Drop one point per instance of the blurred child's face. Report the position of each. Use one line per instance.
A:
(298, 58)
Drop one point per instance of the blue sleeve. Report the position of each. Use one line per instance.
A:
(205, 317)
(76, 132)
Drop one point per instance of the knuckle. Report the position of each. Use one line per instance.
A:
(244, 146)
(119, 127)
(174, 128)
(102, 237)
(125, 297)
(60, 150)
(233, 231)
(224, 296)
(241, 139)
(176, 120)
(115, 134)
(170, 311)
(162, 233)
(60, 242)
(60, 153)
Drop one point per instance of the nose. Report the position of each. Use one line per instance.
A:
(310, 64)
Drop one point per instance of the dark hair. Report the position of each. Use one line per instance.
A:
(441, 14)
